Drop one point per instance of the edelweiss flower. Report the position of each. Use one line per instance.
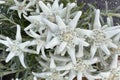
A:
(52, 74)
(80, 69)
(49, 11)
(36, 25)
(65, 37)
(16, 47)
(40, 41)
(101, 36)
(20, 7)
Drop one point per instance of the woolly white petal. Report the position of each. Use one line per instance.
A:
(55, 5)
(116, 38)
(60, 58)
(72, 5)
(79, 75)
(39, 46)
(49, 35)
(13, 7)
(112, 45)
(53, 43)
(9, 40)
(71, 52)
(72, 75)
(28, 27)
(105, 49)
(80, 51)
(16, 2)
(34, 78)
(35, 35)
(23, 3)
(110, 21)
(42, 75)
(62, 47)
(112, 33)
(44, 8)
(43, 64)
(18, 34)
(53, 27)
(83, 42)
(85, 32)
(10, 56)
(52, 64)
(29, 51)
(91, 61)
(97, 24)
(43, 52)
(30, 18)
(114, 63)
(24, 44)
(74, 21)
(111, 28)
(19, 14)
(21, 57)
(65, 67)
(5, 43)
(93, 50)
(60, 22)
(24, 12)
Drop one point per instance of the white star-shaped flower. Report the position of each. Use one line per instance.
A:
(20, 7)
(51, 74)
(17, 47)
(65, 37)
(40, 41)
(49, 11)
(81, 69)
(101, 36)
(36, 24)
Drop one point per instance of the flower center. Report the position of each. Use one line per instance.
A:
(99, 37)
(20, 7)
(51, 18)
(81, 66)
(16, 49)
(67, 36)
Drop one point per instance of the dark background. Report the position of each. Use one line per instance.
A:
(100, 4)
(112, 4)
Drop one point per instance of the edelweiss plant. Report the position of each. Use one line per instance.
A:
(16, 47)
(57, 40)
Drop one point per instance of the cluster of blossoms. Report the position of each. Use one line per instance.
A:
(72, 50)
